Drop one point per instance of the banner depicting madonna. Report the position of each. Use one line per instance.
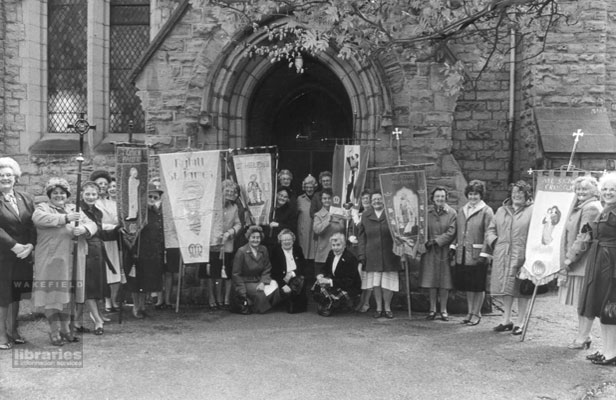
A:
(192, 180)
(254, 177)
(132, 181)
(348, 175)
(406, 206)
(554, 197)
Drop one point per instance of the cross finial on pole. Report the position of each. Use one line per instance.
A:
(577, 136)
(397, 132)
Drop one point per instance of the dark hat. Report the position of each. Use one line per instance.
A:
(155, 186)
(100, 173)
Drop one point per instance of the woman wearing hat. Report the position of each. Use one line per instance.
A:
(254, 288)
(108, 205)
(146, 275)
(55, 226)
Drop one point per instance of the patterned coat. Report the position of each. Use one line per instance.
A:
(434, 270)
(507, 235)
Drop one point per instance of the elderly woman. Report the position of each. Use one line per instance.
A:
(324, 226)
(285, 177)
(325, 181)
(109, 207)
(599, 284)
(284, 216)
(221, 250)
(17, 238)
(435, 273)
(255, 290)
(288, 268)
(574, 248)
(305, 234)
(54, 223)
(471, 250)
(339, 282)
(366, 292)
(377, 257)
(507, 235)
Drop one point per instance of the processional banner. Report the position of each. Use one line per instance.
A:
(406, 208)
(350, 164)
(192, 180)
(554, 198)
(254, 177)
(132, 183)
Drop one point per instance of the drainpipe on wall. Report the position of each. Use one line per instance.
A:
(510, 117)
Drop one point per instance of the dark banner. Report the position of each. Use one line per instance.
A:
(348, 175)
(132, 181)
(406, 205)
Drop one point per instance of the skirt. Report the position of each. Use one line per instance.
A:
(569, 294)
(385, 280)
(470, 278)
(172, 264)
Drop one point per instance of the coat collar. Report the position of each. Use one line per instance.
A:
(468, 211)
(446, 209)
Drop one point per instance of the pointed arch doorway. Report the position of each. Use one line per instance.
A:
(296, 112)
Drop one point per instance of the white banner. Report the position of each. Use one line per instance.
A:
(554, 198)
(254, 176)
(192, 180)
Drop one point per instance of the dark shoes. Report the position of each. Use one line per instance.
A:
(594, 356)
(388, 314)
(517, 330)
(431, 316)
(503, 328)
(603, 361)
(99, 331)
(472, 322)
(444, 316)
(69, 338)
(377, 314)
(81, 329)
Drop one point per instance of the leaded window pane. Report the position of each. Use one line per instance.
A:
(67, 62)
(129, 37)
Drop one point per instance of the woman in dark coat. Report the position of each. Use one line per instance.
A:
(600, 277)
(284, 217)
(288, 269)
(17, 238)
(377, 257)
(146, 274)
(254, 288)
(435, 273)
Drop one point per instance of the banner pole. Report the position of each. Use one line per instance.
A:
(181, 272)
(528, 313)
(405, 265)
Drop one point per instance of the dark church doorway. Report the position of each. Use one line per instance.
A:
(296, 112)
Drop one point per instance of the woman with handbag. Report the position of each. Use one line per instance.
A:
(598, 297)
(288, 266)
(471, 251)
(574, 252)
(507, 235)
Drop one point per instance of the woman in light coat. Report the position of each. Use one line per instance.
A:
(324, 226)
(435, 273)
(507, 235)
(471, 251)
(574, 248)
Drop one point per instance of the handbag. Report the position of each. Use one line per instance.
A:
(527, 288)
(608, 310)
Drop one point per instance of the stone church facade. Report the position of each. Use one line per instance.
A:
(194, 78)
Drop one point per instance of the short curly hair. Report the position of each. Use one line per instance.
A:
(588, 180)
(523, 187)
(285, 172)
(475, 186)
(285, 231)
(252, 229)
(8, 162)
(56, 182)
(100, 173)
(229, 184)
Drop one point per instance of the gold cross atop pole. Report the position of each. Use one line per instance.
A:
(577, 136)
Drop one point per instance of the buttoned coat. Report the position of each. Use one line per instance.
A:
(375, 250)
(250, 269)
(434, 266)
(324, 226)
(507, 235)
(305, 233)
(472, 226)
(575, 244)
(346, 276)
(15, 228)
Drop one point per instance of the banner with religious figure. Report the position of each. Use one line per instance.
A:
(554, 197)
(254, 177)
(192, 180)
(406, 207)
(350, 164)
(132, 184)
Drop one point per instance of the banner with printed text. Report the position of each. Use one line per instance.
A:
(406, 208)
(191, 181)
(554, 197)
(350, 164)
(132, 184)
(254, 177)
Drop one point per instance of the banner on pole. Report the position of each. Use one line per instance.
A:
(350, 164)
(132, 183)
(406, 206)
(254, 177)
(192, 180)
(554, 197)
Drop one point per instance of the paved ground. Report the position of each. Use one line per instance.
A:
(202, 355)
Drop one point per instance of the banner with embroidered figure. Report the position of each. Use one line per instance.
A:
(254, 177)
